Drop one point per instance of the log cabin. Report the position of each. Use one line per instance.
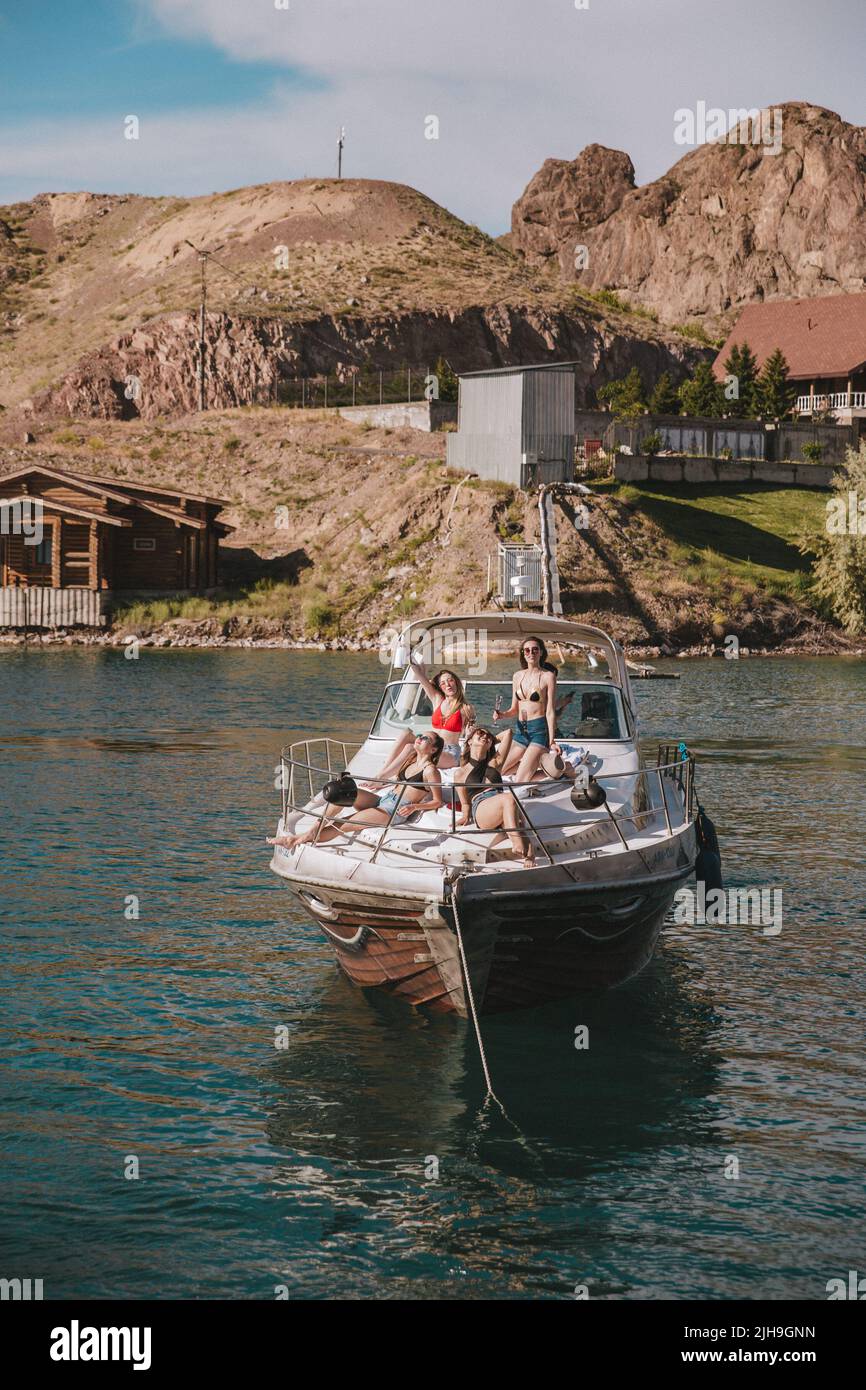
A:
(69, 541)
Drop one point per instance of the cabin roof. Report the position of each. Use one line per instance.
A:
(119, 491)
(130, 486)
(50, 505)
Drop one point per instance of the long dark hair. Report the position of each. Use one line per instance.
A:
(438, 745)
(462, 702)
(546, 664)
(466, 757)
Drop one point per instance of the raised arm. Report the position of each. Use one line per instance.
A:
(503, 748)
(420, 672)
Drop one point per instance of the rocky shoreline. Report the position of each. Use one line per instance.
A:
(204, 634)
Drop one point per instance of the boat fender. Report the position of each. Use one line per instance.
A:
(341, 791)
(593, 795)
(708, 865)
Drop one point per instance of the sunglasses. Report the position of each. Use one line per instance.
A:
(528, 651)
(423, 738)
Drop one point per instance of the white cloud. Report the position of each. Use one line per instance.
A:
(512, 82)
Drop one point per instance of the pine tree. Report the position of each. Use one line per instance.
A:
(839, 573)
(742, 364)
(448, 385)
(664, 399)
(702, 395)
(777, 392)
(625, 396)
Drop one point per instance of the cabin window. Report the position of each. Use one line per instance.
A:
(144, 543)
(42, 552)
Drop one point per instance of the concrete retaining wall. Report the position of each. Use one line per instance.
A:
(417, 415)
(639, 469)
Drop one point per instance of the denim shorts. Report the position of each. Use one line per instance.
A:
(388, 802)
(491, 791)
(529, 731)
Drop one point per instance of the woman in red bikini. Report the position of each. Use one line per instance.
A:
(452, 714)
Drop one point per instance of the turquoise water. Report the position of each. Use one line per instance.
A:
(308, 1167)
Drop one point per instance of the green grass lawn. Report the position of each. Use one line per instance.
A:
(745, 532)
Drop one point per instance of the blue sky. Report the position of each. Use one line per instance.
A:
(95, 56)
(230, 92)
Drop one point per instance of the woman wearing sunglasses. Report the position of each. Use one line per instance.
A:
(482, 797)
(452, 715)
(533, 701)
(419, 788)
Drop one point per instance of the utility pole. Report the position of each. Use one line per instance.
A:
(341, 140)
(203, 259)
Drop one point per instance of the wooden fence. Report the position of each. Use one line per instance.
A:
(51, 608)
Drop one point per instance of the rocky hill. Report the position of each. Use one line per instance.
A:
(308, 276)
(342, 531)
(728, 224)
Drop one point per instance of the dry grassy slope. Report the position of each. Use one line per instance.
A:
(366, 514)
(77, 269)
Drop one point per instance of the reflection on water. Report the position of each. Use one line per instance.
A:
(154, 1034)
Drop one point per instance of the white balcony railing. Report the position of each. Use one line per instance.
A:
(838, 400)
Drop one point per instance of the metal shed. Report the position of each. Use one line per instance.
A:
(516, 425)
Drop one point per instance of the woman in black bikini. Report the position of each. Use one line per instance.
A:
(479, 787)
(418, 780)
(533, 700)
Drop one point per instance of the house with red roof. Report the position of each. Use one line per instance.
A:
(824, 342)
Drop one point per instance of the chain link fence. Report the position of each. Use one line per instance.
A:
(361, 386)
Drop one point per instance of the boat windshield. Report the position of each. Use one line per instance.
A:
(586, 709)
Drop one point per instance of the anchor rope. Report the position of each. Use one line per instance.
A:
(491, 1094)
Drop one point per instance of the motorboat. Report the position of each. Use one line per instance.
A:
(444, 916)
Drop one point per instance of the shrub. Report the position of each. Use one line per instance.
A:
(813, 452)
(839, 575)
(318, 613)
(651, 444)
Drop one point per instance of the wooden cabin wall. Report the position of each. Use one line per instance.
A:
(161, 568)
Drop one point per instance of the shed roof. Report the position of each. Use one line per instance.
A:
(823, 337)
(515, 371)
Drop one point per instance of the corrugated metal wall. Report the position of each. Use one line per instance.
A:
(50, 608)
(548, 417)
(491, 405)
(504, 416)
(490, 428)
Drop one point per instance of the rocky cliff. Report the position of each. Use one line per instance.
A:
(152, 371)
(98, 296)
(728, 224)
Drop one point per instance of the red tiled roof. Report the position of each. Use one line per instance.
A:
(819, 337)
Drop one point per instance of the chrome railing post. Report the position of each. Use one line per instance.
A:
(664, 801)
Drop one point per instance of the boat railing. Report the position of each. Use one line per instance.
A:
(650, 799)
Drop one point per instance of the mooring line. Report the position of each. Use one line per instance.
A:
(491, 1094)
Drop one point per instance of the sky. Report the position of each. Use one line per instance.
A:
(234, 92)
